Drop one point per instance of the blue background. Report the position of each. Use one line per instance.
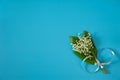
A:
(34, 37)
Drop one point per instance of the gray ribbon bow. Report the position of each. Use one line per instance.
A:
(98, 63)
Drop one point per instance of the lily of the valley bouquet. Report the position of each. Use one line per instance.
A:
(83, 46)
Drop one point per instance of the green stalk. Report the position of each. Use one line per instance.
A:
(104, 71)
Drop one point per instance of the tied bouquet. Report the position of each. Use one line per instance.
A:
(83, 46)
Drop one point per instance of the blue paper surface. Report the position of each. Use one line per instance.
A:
(34, 37)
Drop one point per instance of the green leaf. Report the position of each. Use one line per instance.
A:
(93, 50)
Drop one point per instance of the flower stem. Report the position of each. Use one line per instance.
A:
(104, 71)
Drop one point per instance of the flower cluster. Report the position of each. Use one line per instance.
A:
(83, 44)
